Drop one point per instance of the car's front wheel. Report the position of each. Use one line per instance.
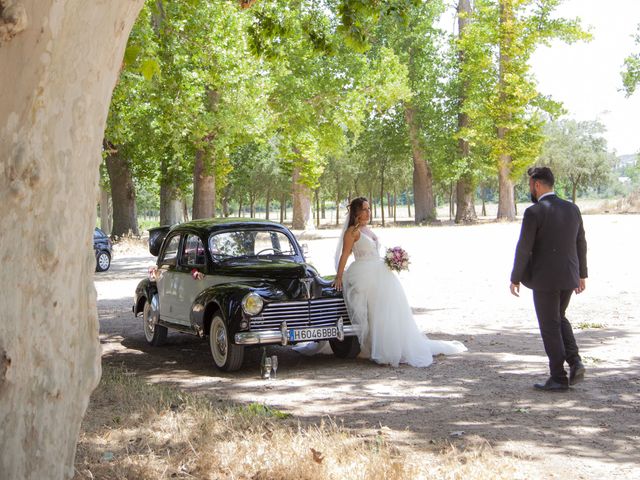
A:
(348, 348)
(155, 334)
(226, 355)
(103, 261)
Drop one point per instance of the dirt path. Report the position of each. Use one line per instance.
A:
(458, 287)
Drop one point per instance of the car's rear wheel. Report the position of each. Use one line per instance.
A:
(226, 355)
(348, 348)
(155, 334)
(103, 261)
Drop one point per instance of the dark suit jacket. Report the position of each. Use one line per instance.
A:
(552, 250)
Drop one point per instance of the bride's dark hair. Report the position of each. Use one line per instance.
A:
(354, 209)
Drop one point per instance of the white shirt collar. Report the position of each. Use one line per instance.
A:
(545, 194)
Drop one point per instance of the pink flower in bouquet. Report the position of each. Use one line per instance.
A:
(397, 259)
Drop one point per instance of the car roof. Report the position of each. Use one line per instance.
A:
(211, 225)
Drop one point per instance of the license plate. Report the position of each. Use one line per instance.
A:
(311, 334)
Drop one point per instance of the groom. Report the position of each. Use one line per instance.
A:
(551, 259)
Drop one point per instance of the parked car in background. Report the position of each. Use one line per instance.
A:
(102, 247)
(240, 284)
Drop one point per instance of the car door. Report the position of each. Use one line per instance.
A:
(192, 258)
(168, 278)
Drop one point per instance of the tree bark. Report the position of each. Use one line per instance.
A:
(123, 194)
(185, 210)
(465, 204)
(204, 187)
(267, 204)
(317, 198)
(425, 206)
(170, 204)
(382, 197)
(105, 211)
(372, 204)
(395, 207)
(465, 188)
(58, 69)
(302, 214)
(282, 207)
(506, 200)
(451, 207)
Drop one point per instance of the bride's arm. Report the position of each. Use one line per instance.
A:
(350, 237)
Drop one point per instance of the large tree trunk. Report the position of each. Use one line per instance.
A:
(171, 211)
(123, 194)
(105, 211)
(506, 200)
(575, 181)
(465, 207)
(204, 188)
(59, 63)
(425, 205)
(226, 198)
(302, 214)
(170, 198)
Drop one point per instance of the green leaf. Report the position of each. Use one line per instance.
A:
(131, 54)
(149, 68)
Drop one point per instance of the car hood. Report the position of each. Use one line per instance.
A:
(272, 269)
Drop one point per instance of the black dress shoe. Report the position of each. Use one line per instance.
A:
(552, 386)
(576, 373)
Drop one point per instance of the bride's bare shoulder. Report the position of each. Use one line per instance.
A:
(352, 232)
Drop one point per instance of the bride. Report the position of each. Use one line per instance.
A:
(376, 300)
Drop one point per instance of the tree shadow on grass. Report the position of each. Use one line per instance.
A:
(486, 392)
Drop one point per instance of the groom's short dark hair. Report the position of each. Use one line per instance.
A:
(542, 174)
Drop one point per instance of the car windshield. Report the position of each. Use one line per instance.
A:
(250, 243)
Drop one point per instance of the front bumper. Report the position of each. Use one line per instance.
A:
(281, 337)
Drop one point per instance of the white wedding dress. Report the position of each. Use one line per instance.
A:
(377, 303)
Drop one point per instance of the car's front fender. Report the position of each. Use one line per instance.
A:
(227, 298)
(144, 291)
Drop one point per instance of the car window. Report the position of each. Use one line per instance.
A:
(250, 243)
(193, 252)
(171, 251)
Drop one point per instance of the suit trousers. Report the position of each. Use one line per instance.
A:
(557, 334)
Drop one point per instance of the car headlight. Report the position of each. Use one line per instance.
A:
(252, 303)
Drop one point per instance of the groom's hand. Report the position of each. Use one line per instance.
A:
(515, 289)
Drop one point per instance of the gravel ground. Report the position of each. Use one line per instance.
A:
(458, 287)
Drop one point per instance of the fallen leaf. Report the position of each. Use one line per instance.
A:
(318, 457)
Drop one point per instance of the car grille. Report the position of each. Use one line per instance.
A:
(321, 312)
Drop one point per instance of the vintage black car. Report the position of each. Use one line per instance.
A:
(241, 284)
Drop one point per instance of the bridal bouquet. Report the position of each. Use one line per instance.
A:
(397, 259)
